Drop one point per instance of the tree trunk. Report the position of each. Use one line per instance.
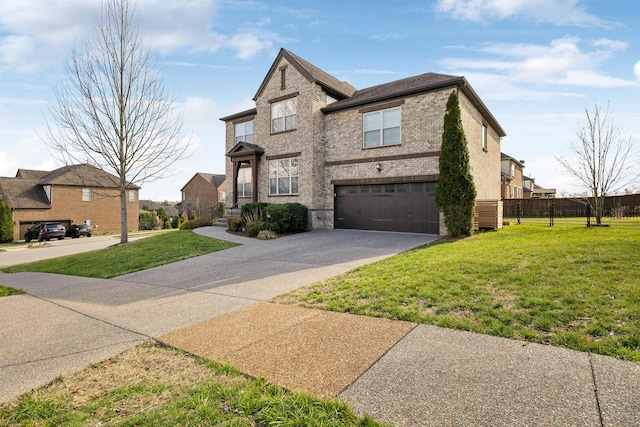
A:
(124, 238)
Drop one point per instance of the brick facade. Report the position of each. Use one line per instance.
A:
(200, 195)
(328, 138)
(102, 212)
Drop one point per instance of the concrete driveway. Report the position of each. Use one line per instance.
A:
(65, 323)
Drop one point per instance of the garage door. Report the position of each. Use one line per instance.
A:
(408, 207)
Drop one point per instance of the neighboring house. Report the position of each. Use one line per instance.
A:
(150, 205)
(202, 194)
(71, 195)
(535, 191)
(364, 159)
(512, 177)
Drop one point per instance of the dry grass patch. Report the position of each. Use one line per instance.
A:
(152, 385)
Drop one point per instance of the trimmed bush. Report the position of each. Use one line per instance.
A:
(287, 217)
(254, 228)
(253, 206)
(196, 222)
(235, 223)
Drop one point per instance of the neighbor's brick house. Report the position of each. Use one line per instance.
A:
(201, 195)
(363, 159)
(71, 195)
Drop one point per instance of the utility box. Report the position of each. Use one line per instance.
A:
(488, 214)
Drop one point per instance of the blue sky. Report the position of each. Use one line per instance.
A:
(536, 64)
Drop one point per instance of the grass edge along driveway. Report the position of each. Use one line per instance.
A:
(574, 287)
(127, 258)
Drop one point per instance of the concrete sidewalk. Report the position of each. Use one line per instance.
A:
(217, 306)
(418, 375)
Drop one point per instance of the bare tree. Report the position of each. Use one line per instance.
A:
(602, 160)
(113, 110)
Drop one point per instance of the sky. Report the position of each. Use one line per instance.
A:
(536, 64)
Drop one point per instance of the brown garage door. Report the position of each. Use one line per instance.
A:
(408, 207)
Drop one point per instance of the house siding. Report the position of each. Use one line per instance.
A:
(485, 165)
(103, 211)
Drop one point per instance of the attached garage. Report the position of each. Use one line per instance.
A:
(404, 207)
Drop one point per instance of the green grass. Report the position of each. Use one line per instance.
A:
(156, 386)
(574, 287)
(134, 256)
(5, 291)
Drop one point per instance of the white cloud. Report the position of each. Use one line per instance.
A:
(562, 62)
(636, 70)
(556, 12)
(37, 34)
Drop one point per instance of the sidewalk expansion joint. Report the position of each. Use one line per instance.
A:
(93, 317)
(595, 388)
(377, 360)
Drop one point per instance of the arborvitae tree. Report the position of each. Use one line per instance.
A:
(455, 193)
(6, 222)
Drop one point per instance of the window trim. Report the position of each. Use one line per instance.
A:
(276, 163)
(381, 129)
(244, 134)
(247, 186)
(284, 118)
(86, 194)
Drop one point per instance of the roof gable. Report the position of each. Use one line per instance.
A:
(23, 193)
(313, 74)
(215, 180)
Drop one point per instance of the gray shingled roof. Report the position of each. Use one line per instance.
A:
(81, 175)
(33, 174)
(23, 193)
(215, 180)
(26, 190)
(396, 89)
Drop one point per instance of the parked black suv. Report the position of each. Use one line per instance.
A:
(77, 230)
(45, 231)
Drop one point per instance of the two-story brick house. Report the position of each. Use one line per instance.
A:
(202, 193)
(365, 159)
(71, 194)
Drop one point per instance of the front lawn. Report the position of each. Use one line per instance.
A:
(134, 256)
(574, 287)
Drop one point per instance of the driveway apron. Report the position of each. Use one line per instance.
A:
(66, 322)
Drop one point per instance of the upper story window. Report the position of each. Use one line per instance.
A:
(484, 137)
(284, 115)
(244, 132)
(513, 169)
(132, 195)
(86, 194)
(381, 128)
(244, 182)
(283, 176)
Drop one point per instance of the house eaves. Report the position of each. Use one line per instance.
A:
(243, 114)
